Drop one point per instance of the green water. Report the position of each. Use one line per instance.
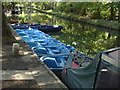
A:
(83, 37)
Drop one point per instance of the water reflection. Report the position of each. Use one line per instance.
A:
(85, 38)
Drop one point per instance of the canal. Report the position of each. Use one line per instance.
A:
(85, 38)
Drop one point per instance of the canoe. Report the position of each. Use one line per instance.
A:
(13, 21)
(50, 28)
(19, 26)
(44, 28)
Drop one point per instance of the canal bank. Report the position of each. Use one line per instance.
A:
(96, 22)
(26, 71)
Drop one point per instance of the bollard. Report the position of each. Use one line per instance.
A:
(21, 52)
(15, 49)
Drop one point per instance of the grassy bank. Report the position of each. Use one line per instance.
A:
(97, 22)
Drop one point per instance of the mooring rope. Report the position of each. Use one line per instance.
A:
(65, 54)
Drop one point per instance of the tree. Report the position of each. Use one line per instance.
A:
(7, 36)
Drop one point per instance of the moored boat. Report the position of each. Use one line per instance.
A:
(81, 73)
(41, 27)
(53, 28)
(46, 47)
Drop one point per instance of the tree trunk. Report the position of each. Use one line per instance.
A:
(111, 12)
(84, 11)
(7, 36)
(119, 13)
(13, 10)
(98, 13)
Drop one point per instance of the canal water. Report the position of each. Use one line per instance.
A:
(85, 38)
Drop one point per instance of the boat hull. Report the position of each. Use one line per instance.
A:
(50, 29)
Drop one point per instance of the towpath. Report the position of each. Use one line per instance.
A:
(26, 70)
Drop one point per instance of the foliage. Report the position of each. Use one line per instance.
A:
(99, 10)
(99, 22)
(96, 10)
